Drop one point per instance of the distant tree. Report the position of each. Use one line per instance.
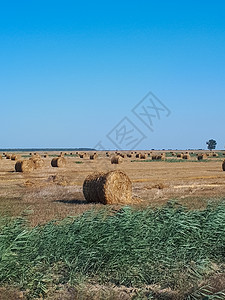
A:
(211, 144)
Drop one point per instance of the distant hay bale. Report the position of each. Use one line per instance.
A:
(93, 156)
(15, 157)
(186, 156)
(38, 162)
(142, 156)
(24, 166)
(116, 159)
(137, 155)
(215, 154)
(81, 155)
(58, 162)
(223, 165)
(113, 187)
(8, 156)
(158, 157)
(180, 155)
(122, 155)
(45, 155)
(202, 156)
(129, 155)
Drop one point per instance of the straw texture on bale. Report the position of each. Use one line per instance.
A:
(24, 166)
(117, 159)
(58, 162)
(38, 162)
(223, 165)
(113, 187)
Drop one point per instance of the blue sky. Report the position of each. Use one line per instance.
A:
(70, 71)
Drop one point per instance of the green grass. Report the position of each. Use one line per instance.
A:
(169, 246)
(78, 162)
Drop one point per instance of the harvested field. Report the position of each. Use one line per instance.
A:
(47, 194)
(49, 199)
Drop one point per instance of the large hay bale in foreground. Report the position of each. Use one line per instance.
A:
(116, 159)
(113, 187)
(223, 165)
(58, 162)
(24, 166)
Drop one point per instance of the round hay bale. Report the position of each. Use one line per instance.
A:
(129, 155)
(202, 156)
(180, 155)
(15, 157)
(38, 162)
(58, 162)
(45, 155)
(186, 156)
(223, 165)
(142, 156)
(116, 159)
(24, 166)
(81, 155)
(158, 157)
(113, 187)
(8, 156)
(93, 156)
(137, 155)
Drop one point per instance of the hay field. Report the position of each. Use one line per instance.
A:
(155, 249)
(51, 193)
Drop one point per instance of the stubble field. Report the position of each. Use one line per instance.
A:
(56, 193)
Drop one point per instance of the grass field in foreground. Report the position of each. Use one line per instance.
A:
(168, 248)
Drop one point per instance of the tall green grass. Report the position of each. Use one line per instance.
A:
(169, 246)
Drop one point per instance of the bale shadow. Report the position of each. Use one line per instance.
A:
(73, 201)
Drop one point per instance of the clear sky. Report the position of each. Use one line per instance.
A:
(70, 71)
